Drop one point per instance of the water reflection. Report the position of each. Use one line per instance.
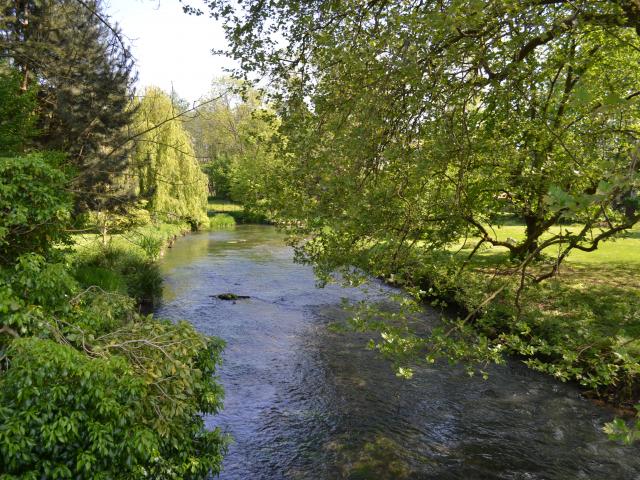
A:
(306, 403)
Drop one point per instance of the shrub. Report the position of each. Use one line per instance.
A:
(30, 292)
(90, 389)
(118, 269)
(244, 216)
(221, 221)
(152, 246)
(65, 414)
(35, 205)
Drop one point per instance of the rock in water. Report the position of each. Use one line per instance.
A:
(231, 296)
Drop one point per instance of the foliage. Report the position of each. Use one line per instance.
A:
(129, 414)
(250, 215)
(17, 116)
(409, 124)
(119, 219)
(119, 269)
(103, 278)
(217, 129)
(408, 128)
(164, 164)
(90, 389)
(228, 131)
(621, 431)
(221, 221)
(83, 71)
(30, 291)
(34, 205)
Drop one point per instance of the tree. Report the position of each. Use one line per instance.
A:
(409, 128)
(164, 163)
(25, 182)
(84, 74)
(223, 129)
(17, 113)
(421, 123)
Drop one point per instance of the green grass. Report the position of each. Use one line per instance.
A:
(221, 221)
(104, 278)
(623, 251)
(222, 206)
(583, 324)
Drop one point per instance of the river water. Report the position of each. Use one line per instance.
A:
(303, 402)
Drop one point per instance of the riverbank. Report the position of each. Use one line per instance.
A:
(582, 325)
(239, 213)
(126, 263)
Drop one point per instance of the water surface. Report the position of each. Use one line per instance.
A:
(305, 403)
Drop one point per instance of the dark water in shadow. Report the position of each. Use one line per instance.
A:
(305, 403)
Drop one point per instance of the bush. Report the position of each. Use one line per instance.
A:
(30, 292)
(221, 221)
(35, 205)
(244, 216)
(133, 414)
(65, 415)
(91, 389)
(118, 269)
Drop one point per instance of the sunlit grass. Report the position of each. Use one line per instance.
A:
(221, 221)
(621, 251)
(144, 241)
(594, 295)
(222, 206)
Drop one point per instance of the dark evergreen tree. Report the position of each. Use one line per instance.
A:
(84, 73)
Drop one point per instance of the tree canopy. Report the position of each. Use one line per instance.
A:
(409, 132)
(224, 130)
(164, 163)
(423, 122)
(80, 66)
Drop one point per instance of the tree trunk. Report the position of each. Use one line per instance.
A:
(532, 233)
(104, 232)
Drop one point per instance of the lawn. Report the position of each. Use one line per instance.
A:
(623, 251)
(222, 206)
(581, 325)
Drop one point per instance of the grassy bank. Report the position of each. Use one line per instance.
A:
(582, 325)
(236, 211)
(126, 264)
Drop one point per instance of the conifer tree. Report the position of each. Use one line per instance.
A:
(83, 71)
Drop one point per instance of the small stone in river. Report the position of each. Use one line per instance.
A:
(231, 296)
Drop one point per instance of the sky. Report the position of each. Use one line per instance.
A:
(172, 49)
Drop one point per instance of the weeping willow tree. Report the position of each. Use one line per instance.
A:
(164, 163)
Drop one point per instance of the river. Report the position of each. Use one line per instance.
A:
(304, 402)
